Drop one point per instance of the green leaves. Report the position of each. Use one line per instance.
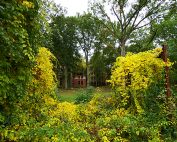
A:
(17, 51)
(122, 18)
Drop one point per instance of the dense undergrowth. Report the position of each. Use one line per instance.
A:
(30, 111)
(139, 113)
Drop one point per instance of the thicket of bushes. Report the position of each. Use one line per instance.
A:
(30, 111)
(130, 114)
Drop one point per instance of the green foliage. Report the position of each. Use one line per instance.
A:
(19, 30)
(166, 32)
(30, 111)
(87, 30)
(85, 95)
(47, 10)
(101, 67)
(127, 18)
(64, 39)
(97, 117)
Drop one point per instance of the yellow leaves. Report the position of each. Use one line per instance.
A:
(44, 76)
(27, 4)
(9, 134)
(168, 63)
(136, 72)
(120, 139)
(157, 51)
(139, 108)
(121, 112)
(105, 139)
(63, 111)
(67, 110)
(102, 132)
(55, 138)
(49, 101)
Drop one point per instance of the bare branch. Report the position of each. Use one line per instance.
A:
(133, 24)
(151, 12)
(108, 19)
(102, 10)
(119, 18)
(136, 28)
(123, 13)
(112, 31)
(135, 14)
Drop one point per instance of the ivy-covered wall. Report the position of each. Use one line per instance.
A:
(18, 46)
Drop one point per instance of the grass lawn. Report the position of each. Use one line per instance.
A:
(70, 95)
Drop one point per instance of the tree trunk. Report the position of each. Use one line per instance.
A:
(71, 80)
(88, 79)
(87, 71)
(122, 47)
(167, 79)
(66, 77)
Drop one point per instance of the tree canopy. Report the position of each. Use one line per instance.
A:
(128, 16)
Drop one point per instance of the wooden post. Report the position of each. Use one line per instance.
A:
(167, 79)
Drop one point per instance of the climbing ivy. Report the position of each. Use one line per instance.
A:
(18, 47)
(133, 74)
(44, 79)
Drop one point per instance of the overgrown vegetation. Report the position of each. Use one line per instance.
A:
(139, 109)
(135, 115)
(85, 95)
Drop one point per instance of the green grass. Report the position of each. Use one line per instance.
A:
(70, 95)
(103, 90)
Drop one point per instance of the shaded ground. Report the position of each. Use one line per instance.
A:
(70, 95)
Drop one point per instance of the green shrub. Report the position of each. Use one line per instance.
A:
(85, 95)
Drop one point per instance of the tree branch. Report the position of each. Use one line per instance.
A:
(107, 17)
(118, 18)
(135, 14)
(149, 14)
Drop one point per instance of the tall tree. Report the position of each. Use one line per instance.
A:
(65, 47)
(103, 56)
(86, 33)
(48, 10)
(101, 63)
(129, 16)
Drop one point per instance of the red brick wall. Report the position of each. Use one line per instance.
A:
(79, 81)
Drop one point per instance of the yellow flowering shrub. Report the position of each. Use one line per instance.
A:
(34, 107)
(134, 73)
